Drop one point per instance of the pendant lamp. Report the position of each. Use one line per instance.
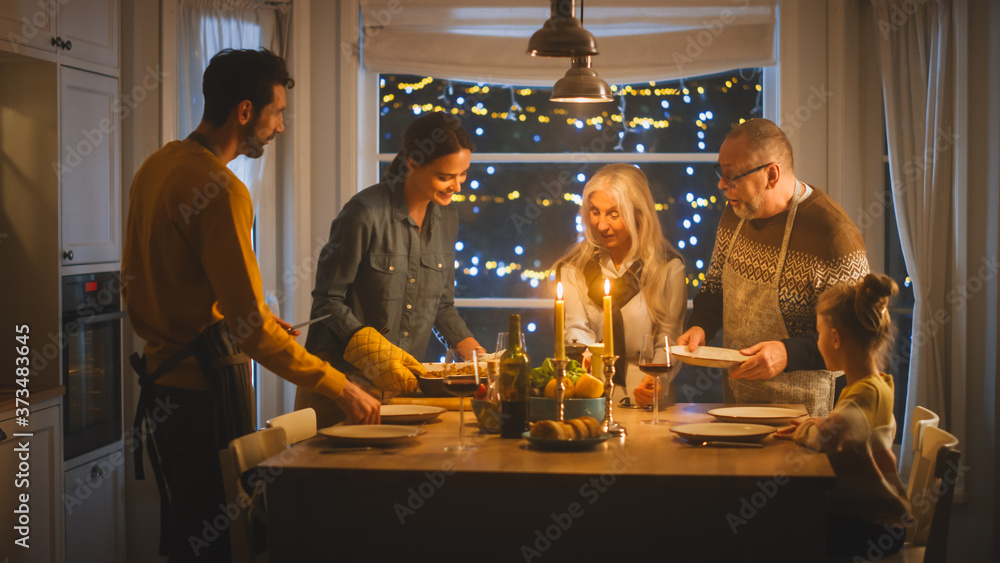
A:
(562, 35)
(581, 85)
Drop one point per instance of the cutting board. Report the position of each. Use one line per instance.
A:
(450, 403)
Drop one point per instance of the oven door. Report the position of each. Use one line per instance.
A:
(93, 378)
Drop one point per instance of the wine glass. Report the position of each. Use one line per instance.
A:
(503, 338)
(654, 360)
(460, 385)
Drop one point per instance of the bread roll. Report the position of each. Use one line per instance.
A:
(548, 429)
(574, 429)
(580, 429)
(593, 426)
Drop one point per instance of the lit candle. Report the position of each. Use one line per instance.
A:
(560, 323)
(609, 339)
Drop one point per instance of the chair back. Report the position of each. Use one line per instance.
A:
(242, 454)
(921, 469)
(922, 418)
(932, 492)
(299, 425)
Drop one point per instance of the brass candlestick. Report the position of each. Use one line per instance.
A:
(610, 426)
(560, 375)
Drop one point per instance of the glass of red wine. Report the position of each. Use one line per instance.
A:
(655, 360)
(461, 381)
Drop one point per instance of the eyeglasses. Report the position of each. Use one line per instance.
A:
(731, 180)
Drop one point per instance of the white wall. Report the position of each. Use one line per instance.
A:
(140, 129)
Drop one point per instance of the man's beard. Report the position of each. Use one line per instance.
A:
(748, 209)
(250, 145)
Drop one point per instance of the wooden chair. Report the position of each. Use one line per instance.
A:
(299, 425)
(931, 488)
(931, 492)
(921, 470)
(245, 453)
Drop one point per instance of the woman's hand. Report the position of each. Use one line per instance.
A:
(643, 392)
(468, 347)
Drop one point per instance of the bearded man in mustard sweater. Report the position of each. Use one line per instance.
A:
(192, 289)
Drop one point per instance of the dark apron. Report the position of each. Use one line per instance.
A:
(228, 374)
(751, 314)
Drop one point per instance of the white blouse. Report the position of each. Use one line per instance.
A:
(585, 319)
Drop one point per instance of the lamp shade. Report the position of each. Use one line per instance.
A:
(562, 35)
(581, 85)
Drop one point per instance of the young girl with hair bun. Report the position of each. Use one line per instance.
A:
(869, 505)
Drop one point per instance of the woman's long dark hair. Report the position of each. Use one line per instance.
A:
(427, 139)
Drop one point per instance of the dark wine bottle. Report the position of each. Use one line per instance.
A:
(515, 384)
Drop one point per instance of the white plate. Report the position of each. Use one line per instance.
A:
(404, 414)
(371, 435)
(756, 415)
(709, 356)
(728, 431)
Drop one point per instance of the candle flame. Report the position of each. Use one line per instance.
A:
(559, 290)
(607, 286)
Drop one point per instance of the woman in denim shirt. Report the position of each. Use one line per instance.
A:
(386, 277)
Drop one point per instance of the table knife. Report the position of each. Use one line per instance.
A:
(309, 322)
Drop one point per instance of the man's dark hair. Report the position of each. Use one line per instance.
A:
(234, 75)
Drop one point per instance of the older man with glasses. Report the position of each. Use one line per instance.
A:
(779, 244)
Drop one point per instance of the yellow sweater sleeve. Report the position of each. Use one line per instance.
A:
(223, 243)
(187, 262)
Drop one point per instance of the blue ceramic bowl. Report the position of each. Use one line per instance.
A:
(543, 408)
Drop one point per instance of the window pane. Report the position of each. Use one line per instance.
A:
(517, 219)
(687, 116)
(486, 322)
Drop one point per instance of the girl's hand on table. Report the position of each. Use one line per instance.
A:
(786, 432)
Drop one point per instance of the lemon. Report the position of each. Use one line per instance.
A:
(550, 389)
(589, 387)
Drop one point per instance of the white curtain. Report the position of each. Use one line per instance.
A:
(917, 51)
(207, 27)
(638, 40)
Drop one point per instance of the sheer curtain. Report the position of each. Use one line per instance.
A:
(919, 67)
(207, 27)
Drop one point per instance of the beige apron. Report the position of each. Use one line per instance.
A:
(752, 314)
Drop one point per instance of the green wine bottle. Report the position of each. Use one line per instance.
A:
(515, 384)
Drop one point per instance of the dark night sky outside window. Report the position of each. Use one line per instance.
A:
(518, 208)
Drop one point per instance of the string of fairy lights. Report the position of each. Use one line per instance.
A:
(464, 99)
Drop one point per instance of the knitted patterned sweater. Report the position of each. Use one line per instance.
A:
(825, 248)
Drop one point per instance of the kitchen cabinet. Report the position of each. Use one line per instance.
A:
(25, 23)
(95, 509)
(89, 168)
(34, 465)
(83, 33)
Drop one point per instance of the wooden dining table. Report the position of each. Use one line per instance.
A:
(648, 494)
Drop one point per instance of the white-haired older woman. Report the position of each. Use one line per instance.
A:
(623, 242)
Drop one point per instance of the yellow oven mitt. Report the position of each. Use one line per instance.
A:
(389, 367)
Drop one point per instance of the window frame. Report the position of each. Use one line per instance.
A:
(370, 159)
